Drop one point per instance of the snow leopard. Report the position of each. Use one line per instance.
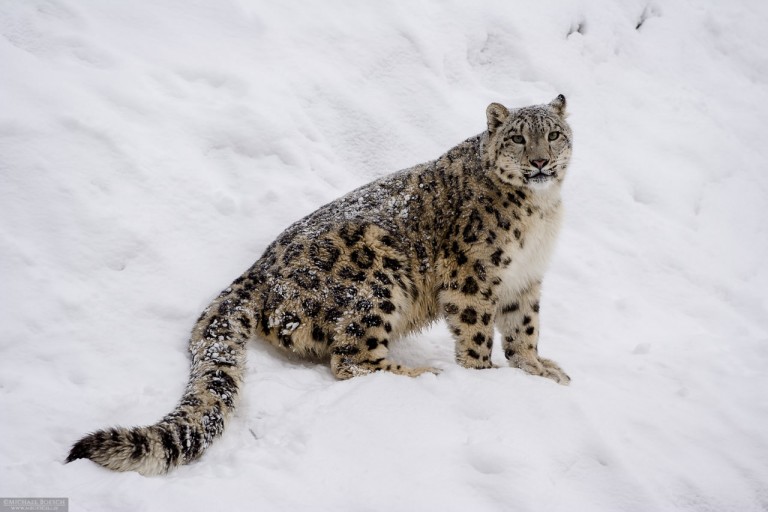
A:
(466, 237)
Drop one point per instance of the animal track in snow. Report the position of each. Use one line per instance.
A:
(486, 460)
(579, 27)
(215, 80)
(650, 11)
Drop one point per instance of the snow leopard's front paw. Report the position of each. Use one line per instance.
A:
(535, 365)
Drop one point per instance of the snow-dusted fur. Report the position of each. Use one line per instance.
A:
(466, 236)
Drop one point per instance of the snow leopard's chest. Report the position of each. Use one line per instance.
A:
(530, 255)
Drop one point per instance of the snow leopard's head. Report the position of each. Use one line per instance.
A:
(528, 146)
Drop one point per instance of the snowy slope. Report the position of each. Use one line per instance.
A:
(150, 150)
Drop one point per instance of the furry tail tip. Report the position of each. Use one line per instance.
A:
(147, 450)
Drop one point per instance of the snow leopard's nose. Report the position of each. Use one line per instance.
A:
(539, 163)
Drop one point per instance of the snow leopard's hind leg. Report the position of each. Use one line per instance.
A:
(361, 346)
(352, 357)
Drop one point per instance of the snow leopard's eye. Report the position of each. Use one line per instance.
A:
(518, 139)
(553, 136)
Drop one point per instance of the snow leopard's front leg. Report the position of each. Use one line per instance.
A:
(469, 313)
(518, 322)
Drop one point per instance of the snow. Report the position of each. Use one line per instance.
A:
(151, 150)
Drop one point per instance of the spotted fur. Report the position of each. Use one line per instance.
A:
(465, 237)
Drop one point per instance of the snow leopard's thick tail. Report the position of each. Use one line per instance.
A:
(218, 362)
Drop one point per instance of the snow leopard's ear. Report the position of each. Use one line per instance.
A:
(558, 105)
(496, 114)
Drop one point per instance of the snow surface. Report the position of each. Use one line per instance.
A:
(150, 150)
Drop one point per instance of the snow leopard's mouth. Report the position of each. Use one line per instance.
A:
(540, 176)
